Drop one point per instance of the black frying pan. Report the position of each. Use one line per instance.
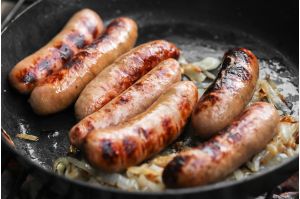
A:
(200, 29)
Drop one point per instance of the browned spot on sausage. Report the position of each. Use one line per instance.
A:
(108, 152)
(184, 108)
(168, 127)
(77, 60)
(138, 84)
(167, 124)
(91, 27)
(124, 99)
(89, 125)
(234, 67)
(56, 76)
(77, 39)
(208, 100)
(107, 34)
(240, 72)
(173, 170)
(119, 22)
(234, 137)
(29, 77)
(226, 61)
(44, 64)
(212, 148)
(65, 51)
(95, 33)
(144, 132)
(129, 146)
(107, 110)
(248, 53)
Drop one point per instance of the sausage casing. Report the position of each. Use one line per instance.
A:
(222, 154)
(62, 88)
(131, 102)
(228, 95)
(81, 30)
(122, 74)
(116, 148)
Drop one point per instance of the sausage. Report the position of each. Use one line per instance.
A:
(62, 88)
(118, 147)
(224, 153)
(131, 102)
(122, 74)
(80, 30)
(229, 94)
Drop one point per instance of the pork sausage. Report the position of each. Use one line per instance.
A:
(116, 148)
(228, 95)
(81, 29)
(122, 74)
(62, 88)
(221, 155)
(131, 102)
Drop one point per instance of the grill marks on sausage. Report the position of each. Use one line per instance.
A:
(118, 23)
(140, 62)
(171, 171)
(235, 67)
(129, 146)
(29, 77)
(46, 64)
(92, 29)
(108, 151)
(59, 55)
(124, 99)
(76, 62)
(208, 100)
(144, 132)
(65, 51)
(76, 39)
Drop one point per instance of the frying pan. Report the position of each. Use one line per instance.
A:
(199, 28)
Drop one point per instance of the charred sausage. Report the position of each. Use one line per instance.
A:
(131, 102)
(122, 74)
(80, 30)
(116, 148)
(228, 95)
(220, 156)
(62, 88)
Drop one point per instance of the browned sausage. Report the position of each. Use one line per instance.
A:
(220, 156)
(228, 95)
(61, 89)
(80, 30)
(122, 74)
(131, 102)
(116, 148)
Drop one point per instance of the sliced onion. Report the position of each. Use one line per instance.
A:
(149, 185)
(274, 97)
(194, 72)
(208, 63)
(209, 75)
(182, 60)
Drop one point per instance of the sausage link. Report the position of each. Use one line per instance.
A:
(131, 102)
(220, 156)
(80, 31)
(61, 89)
(116, 148)
(122, 74)
(228, 95)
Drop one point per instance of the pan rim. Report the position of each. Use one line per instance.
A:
(171, 192)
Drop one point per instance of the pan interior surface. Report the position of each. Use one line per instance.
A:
(196, 39)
